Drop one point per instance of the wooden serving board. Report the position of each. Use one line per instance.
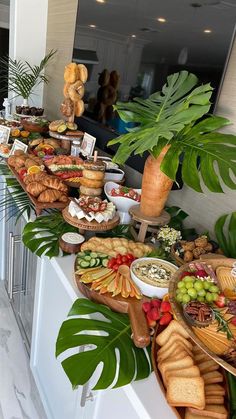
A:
(132, 306)
(90, 225)
(178, 310)
(62, 137)
(179, 412)
(39, 206)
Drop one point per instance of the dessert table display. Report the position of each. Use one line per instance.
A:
(136, 294)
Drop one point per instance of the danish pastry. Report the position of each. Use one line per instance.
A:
(79, 108)
(76, 91)
(82, 72)
(67, 107)
(71, 73)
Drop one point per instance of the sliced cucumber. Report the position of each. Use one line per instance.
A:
(93, 262)
(98, 262)
(81, 254)
(84, 264)
(104, 262)
(94, 255)
(102, 255)
(88, 258)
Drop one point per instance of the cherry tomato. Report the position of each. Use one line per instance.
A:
(130, 256)
(115, 267)
(124, 259)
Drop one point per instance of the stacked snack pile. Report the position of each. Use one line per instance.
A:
(75, 75)
(93, 178)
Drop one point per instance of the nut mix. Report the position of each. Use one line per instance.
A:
(198, 311)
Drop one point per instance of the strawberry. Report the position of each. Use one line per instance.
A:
(165, 306)
(154, 314)
(155, 303)
(146, 306)
(150, 321)
(165, 319)
(221, 301)
(201, 273)
(186, 273)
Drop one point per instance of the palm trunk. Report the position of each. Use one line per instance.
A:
(156, 186)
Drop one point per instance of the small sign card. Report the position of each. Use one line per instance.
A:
(18, 145)
(88, 144)
(4, 134)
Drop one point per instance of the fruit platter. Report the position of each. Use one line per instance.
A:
(202, 296)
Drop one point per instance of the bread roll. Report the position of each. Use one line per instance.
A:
(71, 73)
(66, 90)
(79, 108)
(55, 124)
(76, 91)
(82, 72)
(91, 183)
(93, 174)
(90, 191)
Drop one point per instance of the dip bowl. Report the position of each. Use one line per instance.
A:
(147, 285)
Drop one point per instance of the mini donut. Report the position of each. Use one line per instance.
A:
(114, 79)
(108, 95)
(67, 107)
(82, 73)
(79, 108)
(76, 91)
(91, 183)
(71, 73)
(104, 78)
(84, 190)
(65, 90)
(93, 174)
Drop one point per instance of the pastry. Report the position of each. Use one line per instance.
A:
(113, 246)
(54, 183)
(18, 153)
(53, 126)
(36, 177)
(71, 73)
(93, 174)
(84, 190)
(35, 188)
(76, 91)
(31, 162)
(79, 108)
(91, 183)
(11, 161)
(67, 107)
(82, 72)
(49, 195)
(65, 90)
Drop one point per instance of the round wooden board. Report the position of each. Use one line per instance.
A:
(155, 221)
(72, 184)
(132, 306)
(178, 311)
(65, 137)
(178, 411)
(90, 225)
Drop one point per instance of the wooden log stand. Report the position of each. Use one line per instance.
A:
(145, 222)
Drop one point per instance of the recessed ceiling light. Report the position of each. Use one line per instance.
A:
(100, 1)
(133, 36)
(207, 31)
(92, 26)
(161, 19)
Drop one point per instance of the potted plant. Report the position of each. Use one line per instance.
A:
(23, 78)
(170, 125)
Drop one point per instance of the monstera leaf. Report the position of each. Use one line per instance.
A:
(115, 335)
(225, 231)
(170, 117)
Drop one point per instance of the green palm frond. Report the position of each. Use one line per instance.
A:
(115, 336)
(170, 117)
(22, 78)
(225, 231)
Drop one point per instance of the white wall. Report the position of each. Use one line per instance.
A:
(115, 52)
(4, 16)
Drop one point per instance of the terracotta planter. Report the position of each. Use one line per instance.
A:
(156, 186)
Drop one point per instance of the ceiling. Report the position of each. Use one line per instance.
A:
(183, 28)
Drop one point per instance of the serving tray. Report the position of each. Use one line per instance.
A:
(39, 206)
(65, 137)
(90, 225)
(132, 306)
(178, 311)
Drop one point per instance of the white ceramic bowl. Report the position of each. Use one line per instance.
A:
(148, 289)
(122, 204)
(117, 177)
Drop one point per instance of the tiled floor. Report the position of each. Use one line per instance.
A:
(19, 398)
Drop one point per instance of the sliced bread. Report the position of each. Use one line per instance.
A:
(214, 399)
(175, 337)
(173, 327)
(173, 350)
(214, 390)
(212, 410)
(175, 364)
(197, 415)
(187, 392)
(192, 371)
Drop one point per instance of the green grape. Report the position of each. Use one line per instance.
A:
(189, 285)
(214, 296)
(201, 299)
(188, 279)
(193, 293)
(209, 297)
(198, 285)
(180, 284)
(186, 298)
(178, 291)
(207, 285)
(183, 290)
(214, 288)
(201, 293)
(179, 298)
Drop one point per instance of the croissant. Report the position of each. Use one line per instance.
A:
(30, 162)
(55, 183)
(49, 195)
(11, 161)
(63, 198)
(35, 177)
(35, 188)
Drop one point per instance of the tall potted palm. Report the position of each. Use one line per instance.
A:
(21, 77)
(170, 124)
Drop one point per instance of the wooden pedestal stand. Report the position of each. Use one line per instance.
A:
(145, 222)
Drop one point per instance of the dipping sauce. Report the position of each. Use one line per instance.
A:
(154, 272)
(73, 238)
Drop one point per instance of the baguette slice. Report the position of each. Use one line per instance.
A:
(186, 392)
(208, 366)
(173, 327)
(214, 399)
(214, 390)
(212, 377)
(175, 337)
(211, 410)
